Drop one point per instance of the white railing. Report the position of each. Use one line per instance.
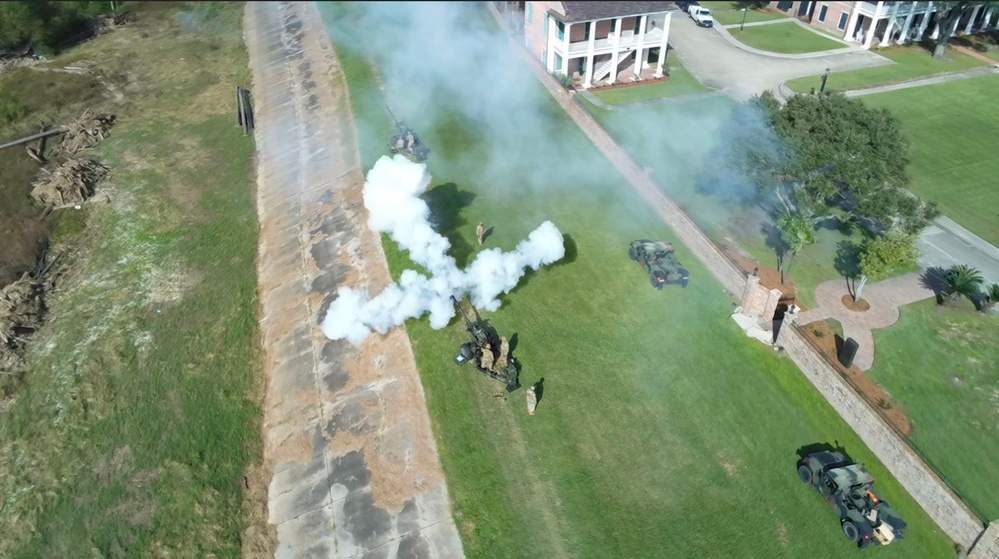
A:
(628, 39)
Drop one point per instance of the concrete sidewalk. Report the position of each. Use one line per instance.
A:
(942, 78)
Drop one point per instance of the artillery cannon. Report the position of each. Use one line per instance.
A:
(487, 350)
(406, 142)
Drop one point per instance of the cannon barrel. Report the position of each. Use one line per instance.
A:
(457, 305)
(396, 123)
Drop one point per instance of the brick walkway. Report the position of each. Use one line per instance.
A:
(953, 517)
(885, 298)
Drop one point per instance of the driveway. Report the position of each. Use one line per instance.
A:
(742, 74)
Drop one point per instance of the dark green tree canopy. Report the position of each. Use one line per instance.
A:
(831, 151)
(44, 23)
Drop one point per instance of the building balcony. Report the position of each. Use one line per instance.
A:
(897, 9)
(605, 45)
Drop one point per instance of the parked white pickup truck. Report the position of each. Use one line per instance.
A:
(701, 16)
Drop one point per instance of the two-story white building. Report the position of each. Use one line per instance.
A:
(599, 42)
(879, 24)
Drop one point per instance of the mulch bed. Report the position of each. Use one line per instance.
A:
(859, 306)
(825, 340)
(624, 85)
(769, 276)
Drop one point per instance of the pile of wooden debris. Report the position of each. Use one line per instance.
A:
(22, 308)
(72, 183)
(86, 132)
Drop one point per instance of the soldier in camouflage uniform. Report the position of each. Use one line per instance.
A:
(487, 357)
(501, 361)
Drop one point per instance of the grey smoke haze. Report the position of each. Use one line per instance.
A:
(437, 60)
(438, 57)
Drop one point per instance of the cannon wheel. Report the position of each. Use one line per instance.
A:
(632, 254)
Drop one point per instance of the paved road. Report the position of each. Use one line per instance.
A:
(946, 243)
(346, 431)
(721, 65)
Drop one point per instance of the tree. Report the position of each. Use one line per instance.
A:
(948, 16)
(44, 23)
(796, 232)
(830, 153)
(961, 280)
(883, 255)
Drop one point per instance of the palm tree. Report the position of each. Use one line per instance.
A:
(991, 297)
(962, 280)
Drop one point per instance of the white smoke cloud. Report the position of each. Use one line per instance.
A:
(392, 196)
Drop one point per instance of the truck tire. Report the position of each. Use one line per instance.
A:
(632, 254)
(805, 474)
(850, 531)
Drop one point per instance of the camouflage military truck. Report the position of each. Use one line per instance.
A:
(659, 261)
(849, 489)
(406, 142)
(489, 352)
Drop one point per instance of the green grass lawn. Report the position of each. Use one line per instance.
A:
(678, 162)
(662, 429)
(911, 62)
(940, 364)
(728, 13)
(787, 38)
(983, 43)
(132, 431)
(680, 82)
(954, 134)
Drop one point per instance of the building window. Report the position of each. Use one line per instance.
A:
(530, 12)
(546, 24)
(638, 25)
(842, 21)
(561, 31)
(558, 63)
(822, 13)
(588, 27)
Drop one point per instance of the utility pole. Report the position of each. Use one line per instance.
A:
(745, 11)
(824, 78)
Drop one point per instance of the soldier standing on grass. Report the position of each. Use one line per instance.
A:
(480, 232)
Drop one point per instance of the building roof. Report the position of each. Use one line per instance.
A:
(586, 11)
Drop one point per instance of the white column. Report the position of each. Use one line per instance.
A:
(641, 45)
(888, 30)
(988, 19)
(552, 29)
(936, 32)
(854, 15)
(588, 82)
(906, 27)
(971, 20)
(565, 49)
(663, 44)
(615, 45)
(870, 33)
(956, 23)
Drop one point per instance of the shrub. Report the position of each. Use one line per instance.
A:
(564, 80)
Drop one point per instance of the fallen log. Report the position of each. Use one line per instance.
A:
(59, 130)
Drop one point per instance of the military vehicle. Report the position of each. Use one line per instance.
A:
(849, 489)
(406, 142)
(659, 261)
(487, 350)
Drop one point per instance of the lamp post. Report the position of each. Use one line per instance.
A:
(824, 78)
(744, 12)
